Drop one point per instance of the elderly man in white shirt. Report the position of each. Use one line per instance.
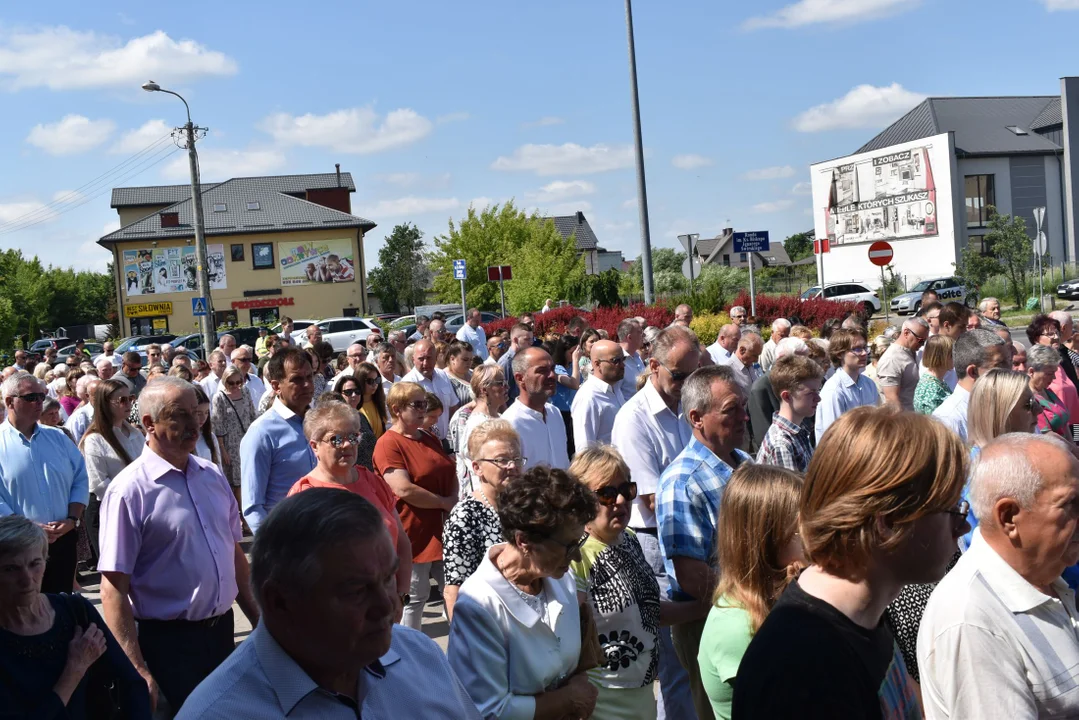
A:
(538, 422)
(600, 398)
(726, 343)
(631, 337)
(472, 333)
(218, 362)
(650, 431)
(386, 362)
(425, 374)
(998, 637)
(974, 353)
(743, 360)
(781, 328)
(83, 415)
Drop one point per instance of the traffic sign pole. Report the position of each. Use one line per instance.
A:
(502, 289)
(749, 243)
(884, 300)
(1039, 250)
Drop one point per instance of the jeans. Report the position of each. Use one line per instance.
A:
(419, 589)
(675, 700)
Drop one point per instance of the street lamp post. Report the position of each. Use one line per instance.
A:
(206, 323)
(638, 144)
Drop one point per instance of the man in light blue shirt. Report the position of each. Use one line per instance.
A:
(42, 477)
(975, 353)
(631, 337)
(848, 388)
(274, 452)
(472, 333)
(313, 654)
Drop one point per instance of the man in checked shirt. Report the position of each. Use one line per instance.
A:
(796, 380)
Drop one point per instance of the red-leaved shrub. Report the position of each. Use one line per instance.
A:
(555, 320)
(812, 313)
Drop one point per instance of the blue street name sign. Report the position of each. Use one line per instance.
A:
(459, 270)
(198, 306)
(755, 241)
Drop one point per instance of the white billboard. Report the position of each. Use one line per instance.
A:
(902, 194)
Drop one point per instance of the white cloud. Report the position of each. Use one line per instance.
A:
(772, 207)
(813, 12)
(567, 208)
(1054, 5)
(353, 130)
(544, 122)
(452, 117)
(569, 158)
(23, 211)
(864, 107)
(629, 204)
(560, 190)
(482, 203)
(770, 173)
(409, 206)
(402, 179)
(73, 134)
(802, 188)
(68, 196)
(60, 58)
(140, 138)
(690, 161)
(216, 165)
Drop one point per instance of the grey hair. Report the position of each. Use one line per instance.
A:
(226, 335)
(891, 332)
(791, 346)
(19, 534)
(49, 404)
(670, 337)
(970, 349)
(1042, 356)
(218, 352)
(318, 419)
(385, 348)
(153, 398)
(82, 385)
(651, 333)
(11, 386)
(697, 391)
(300, 529)
(736, 307)
(1004, 469)
(60, 371)
(916, 323)
(230, 371)
(781, 324)
(1061, 317)
(984, 304)
(102, 361)
(750, 339)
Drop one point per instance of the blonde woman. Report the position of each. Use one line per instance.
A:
(759, 551)
(231, 414)
(932, 389)
(488, 384)
(876, 351)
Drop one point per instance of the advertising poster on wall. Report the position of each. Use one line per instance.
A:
(160, 271)
(887, 194)
(326, 261)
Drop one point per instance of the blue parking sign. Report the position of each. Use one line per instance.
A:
(459, 272)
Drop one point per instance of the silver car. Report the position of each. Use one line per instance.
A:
(949, 289)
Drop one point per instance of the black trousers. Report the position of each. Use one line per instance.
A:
(180, 653)
(59, 574)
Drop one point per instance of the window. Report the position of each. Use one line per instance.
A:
(262, 256)
(727, 260)
(225, 318)
(339, 326)
(980, 196)
(979, 243)
(254, 205)
(264, 316)
(237, 253)
(220, 207)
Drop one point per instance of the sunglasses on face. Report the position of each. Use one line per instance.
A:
(608, 495)
(32, 397)
(125, 400)
(676, 375)
(371, 381)
(339, 440)
(620, 360)
(351, 392)
(420, 405)
(234, 383)
(244, 358)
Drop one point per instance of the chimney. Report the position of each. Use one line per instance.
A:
(338, 166)
(580, 218)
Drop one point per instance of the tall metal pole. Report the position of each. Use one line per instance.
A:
(206, 322)
(642, 193)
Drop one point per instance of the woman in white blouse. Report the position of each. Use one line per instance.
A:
(516, 631)
(109, 445)
(489, 389)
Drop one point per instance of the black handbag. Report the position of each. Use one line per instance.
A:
(102, 695)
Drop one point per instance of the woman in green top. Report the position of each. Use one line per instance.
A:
(932, 389)
(759, 551)
(617, 582)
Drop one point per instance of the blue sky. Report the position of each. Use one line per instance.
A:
(433, 106)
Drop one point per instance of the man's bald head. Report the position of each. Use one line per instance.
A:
(728, 337)
(607, 361)
(425, 357)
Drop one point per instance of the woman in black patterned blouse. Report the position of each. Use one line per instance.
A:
(473, 525)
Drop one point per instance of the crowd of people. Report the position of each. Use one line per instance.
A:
(635, 524)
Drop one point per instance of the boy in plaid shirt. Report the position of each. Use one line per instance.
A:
(797, 382)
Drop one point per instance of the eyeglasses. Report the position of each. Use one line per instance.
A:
(242, 358)
(916, 336)
(960, 511)
(371, 381)
(125, 400)
(356, 357)
(351, 392)
(676, 375)
(862, 350)
(1053, 334)
(418, 405)
(507, 463)
(738, 317)
(234, 383)
(646, 344)
(338, 440)
(33, 397)
(496, 384)
(620, 360)
(608, 495)
(571, 548)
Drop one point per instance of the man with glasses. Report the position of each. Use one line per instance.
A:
(425, 374)
(650, 431)
(130, 373)
(356, 355)
(496, 348)
(537, 421)
(687, 506)
(974, 354)
(897, 370)
(600, 397)
(521, 337)
(242, 358)
(42, 477)
(630, 337)
(738, 316)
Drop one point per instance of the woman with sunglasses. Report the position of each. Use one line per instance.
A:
(373, 406)
(231, 414)
(109, 445)
(350, 387)
(424, 479)
(490, 390)
(473, 524)
(333, 431)
(622, 591)
(515, 639)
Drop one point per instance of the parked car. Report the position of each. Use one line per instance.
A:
(140, 342)
(191, 343)
(1067, 290)
(949, 289)
(406, 323)
(242, 335)
(296, 325)
(191, 356)
(65, 352)
(340, 332)
(40, 346)
(847, 292)
(456, 322)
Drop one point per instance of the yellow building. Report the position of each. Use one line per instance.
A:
(277, 245)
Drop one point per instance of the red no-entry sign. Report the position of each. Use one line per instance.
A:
(880, 253)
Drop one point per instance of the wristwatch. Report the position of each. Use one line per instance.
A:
(77, 521)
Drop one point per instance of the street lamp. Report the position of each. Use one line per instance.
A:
(638, 146)
(206, 324)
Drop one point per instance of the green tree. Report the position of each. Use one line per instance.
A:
(976, 269)
(799, 245)
(400, 281)
(547, 266)
(1012, 246)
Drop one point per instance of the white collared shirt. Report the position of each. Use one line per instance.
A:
(953, 411)
(649, 436)
(387, 384)
(634, 367)
(210, 384)
(744, 375)
(768, 355)
(543, 435)
(440, 385)
(593, 411)
(991, 645)
(475, 337)
(256, 387)
(720, 355)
